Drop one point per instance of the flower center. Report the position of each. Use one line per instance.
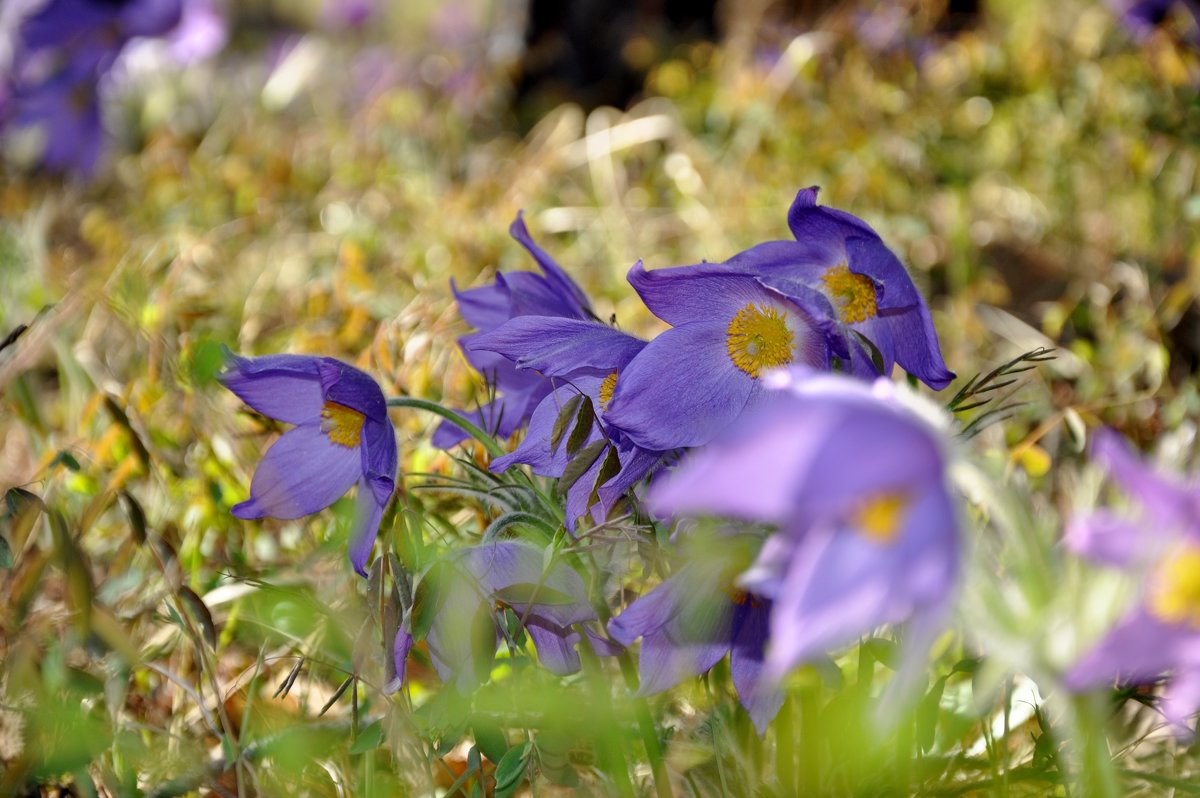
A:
(880, 516)
(741, 598)
(854, 294)
(606, 390)
(342, 424)
(758, 338)
(1176, 596)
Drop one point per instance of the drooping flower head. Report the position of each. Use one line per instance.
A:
(855, 482)
(839, 261)
(728, 330)
(1162, 632)
(551, 293)
(342, 435)
(584, 358)
(461, 611)
(688, 623)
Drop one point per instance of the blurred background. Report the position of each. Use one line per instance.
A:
(183, 175)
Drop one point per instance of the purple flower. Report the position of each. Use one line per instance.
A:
(96, 29)
(837, 260)
(728, 329)
(856, 483)
(584, 358)
(64, 111)
(342, 435)
(688, 623)
(470, 593)
(1142, 17)
(551, 293)
(1162, 633)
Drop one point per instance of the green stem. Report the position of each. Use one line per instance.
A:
(785, 749)
(493, 448)
(809, 773)
(662, 782)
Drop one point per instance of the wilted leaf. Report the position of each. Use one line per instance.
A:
(200, 611)
(583, 426)
(565, 416)
(579, 464)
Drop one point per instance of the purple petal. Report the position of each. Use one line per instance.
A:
(485, 307)
(283, 387)
(664, 663)
(560, 346)
(1107, 538)
(555, 645)
(701, 293)
(807, 220)
(571, 294)
(501, 565)
(1137, 650)
(1181, 700)
(301, 473)
(400, 648)
(535, 449)
(682, 390)
(367, 513)
(352, 388)
(1169, 501)
(894, 288)
(761, 699)
(648, 614)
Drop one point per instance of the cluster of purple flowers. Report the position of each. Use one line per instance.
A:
(835, 483)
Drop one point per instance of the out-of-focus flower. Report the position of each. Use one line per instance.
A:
(58, 57)
(551, 293)
(336, 14)
(469, 598)
(1142, 17)
(728, 329)
(1162, 633)
(688, 623)
(839, 261)
(856, 483)
(342, 435)
(583, 357)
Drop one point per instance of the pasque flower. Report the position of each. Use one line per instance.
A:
(342, 435)
(728, 330)
(855, 482)
(692, 620)
(469, 594)
(838, 261)
(551, 293)
(584, 358)
(1162, 632)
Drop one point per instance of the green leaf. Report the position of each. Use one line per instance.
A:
(66, 459)
(927, 714)
(583, 426)
(206, 361)
(200, 610)
(6, 558)
(565, 416)
(368, 739)
(490, 740)
(608, 469)
(510, 770)
(579, 464)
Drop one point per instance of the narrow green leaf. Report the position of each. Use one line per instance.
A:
(579, 464)
(583, 426)
(565, 416)
(369, 739)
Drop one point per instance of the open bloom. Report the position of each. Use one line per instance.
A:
(728, 330)
(692, 620)
(342, 435)
(584, 358)
(1162, 632)
(839, 261)
(855, 481)
(469, 595)
(551, 293)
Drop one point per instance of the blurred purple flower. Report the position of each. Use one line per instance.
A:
(94, 31)
(582, 357)
(469, 594)
(1142, 17)
(727, 330)
(839, 262)
(551, 293)
(348, 13)
(1162, 633)
(688, 623)
(64, 112)
(342, 435)
(856, 483)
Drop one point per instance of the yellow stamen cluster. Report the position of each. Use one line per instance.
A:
(1176, 595)
(758, 339)
(606, 390)
(880, 516)
(343, 425)
(854, 294)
